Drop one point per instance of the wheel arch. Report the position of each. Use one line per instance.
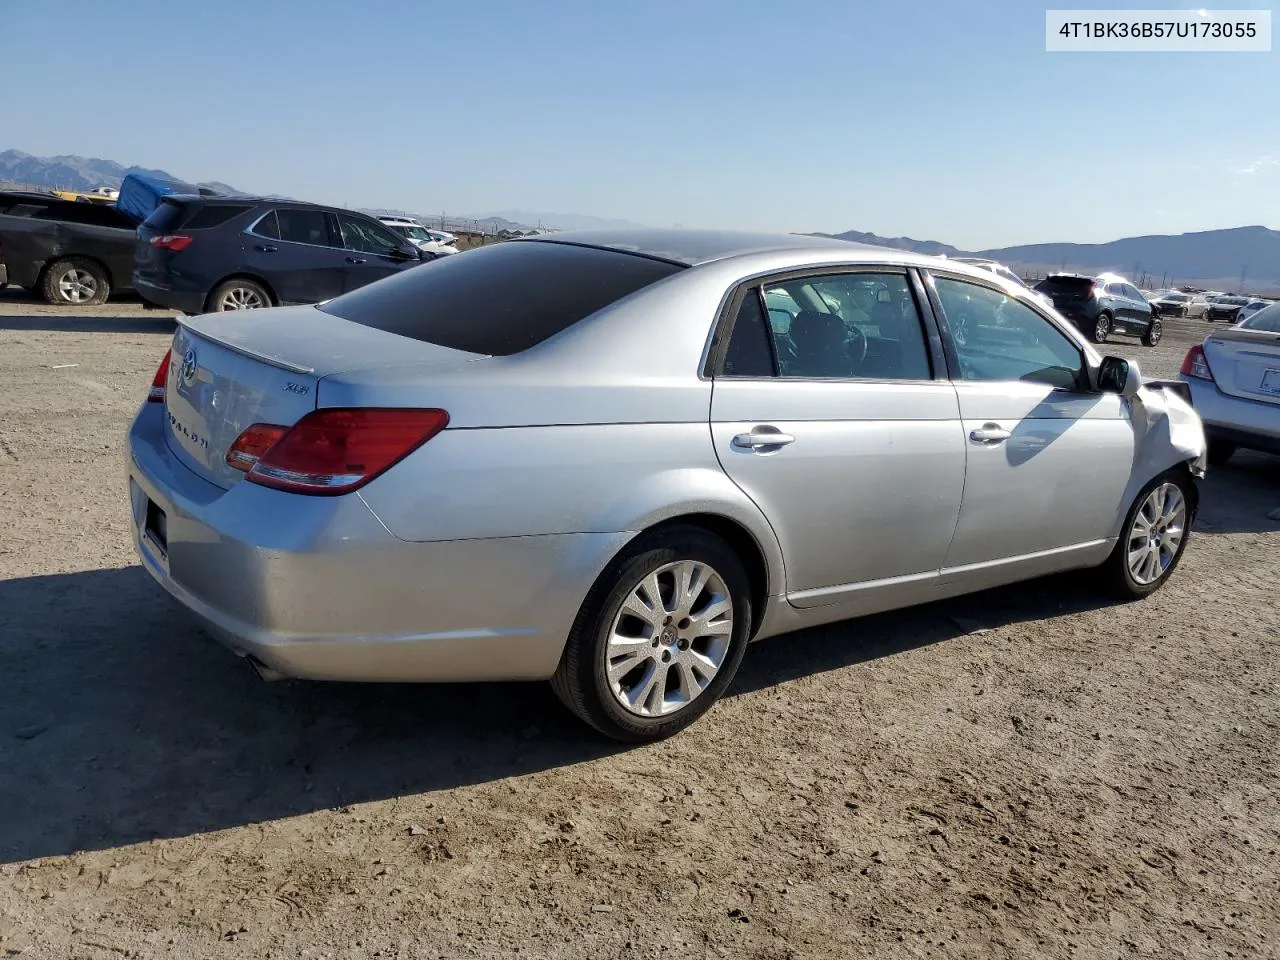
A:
(242, 275)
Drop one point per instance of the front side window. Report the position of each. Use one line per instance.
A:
(364, 236)
(999, 338)
(850, 326)
(303, 226)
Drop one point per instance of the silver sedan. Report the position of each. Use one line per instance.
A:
(611, 460)
(1234, 376)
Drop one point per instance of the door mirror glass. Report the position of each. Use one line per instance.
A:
(1118, 375)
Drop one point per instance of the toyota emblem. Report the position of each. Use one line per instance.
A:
(189, 366)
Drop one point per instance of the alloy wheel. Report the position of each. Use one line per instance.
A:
(241, 298)
(1156, 532)
(669, 639)
(77, 286)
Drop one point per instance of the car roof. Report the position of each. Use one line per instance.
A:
(693, 247)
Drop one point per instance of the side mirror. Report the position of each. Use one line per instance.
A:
(1118, 375)
(425, 254)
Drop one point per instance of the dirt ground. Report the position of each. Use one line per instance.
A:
(1030, 772)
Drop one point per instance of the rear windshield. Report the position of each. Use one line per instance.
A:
(1071, 284)
(165, 217)
(1177, 297)
(501, 299)
(214, 215)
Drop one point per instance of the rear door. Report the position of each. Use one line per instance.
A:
(1048, 458)
(295, 250)
(373, 251)
(839, 431)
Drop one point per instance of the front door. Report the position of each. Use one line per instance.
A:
(827, 413)
(373, 251)
(1048, 458)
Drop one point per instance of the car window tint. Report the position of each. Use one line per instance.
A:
(213, 215)
(500, 299)
(365, 236)
(1267, 319)
(165, 217)
(268, 226)
(303, 226)
(749, 353)
(850, 326)
(999, 338)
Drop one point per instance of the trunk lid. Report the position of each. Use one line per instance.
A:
(1246, 363)
(235, 369)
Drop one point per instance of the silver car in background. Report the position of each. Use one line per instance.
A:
(613, 459)
(1234, 377)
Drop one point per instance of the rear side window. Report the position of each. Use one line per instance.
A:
(501, 299)
(165, 217)
(268, 226)
(213, 215)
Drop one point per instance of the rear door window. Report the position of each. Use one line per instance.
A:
(164, 217)
(501, 299)
(304, 226)
(268, 226)
(365, 236)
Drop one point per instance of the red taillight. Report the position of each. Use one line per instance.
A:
(252, 444)
(1195, 364)
(156, 393)
(172, 241)
(337, 451)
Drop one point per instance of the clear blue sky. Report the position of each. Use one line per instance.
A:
(942, 119)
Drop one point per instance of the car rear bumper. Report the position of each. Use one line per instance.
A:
(1249, 423)
(316, 587)
(190, 302)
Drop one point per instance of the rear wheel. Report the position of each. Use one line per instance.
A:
(239, 294)
(1152, 539)
(1102, 328)
(659, 638)
(1155, 330)
(1220, 451)
(75, 282)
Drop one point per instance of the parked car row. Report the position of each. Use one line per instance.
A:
(1212, 306)
(197, 253)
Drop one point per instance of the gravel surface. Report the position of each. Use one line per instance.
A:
(1028, 772)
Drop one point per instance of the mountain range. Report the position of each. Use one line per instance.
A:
(1220, 259)
(1216, 258)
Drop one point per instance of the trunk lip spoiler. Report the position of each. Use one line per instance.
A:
(245, 351)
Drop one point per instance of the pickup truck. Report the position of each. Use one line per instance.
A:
(73, 254)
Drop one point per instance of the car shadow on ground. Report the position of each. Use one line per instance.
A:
(120, 723)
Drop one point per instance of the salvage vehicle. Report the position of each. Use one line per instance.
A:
(598, 458)
(72, 254)
(200, 253)
(1234, 376)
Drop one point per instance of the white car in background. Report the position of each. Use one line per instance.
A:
(1000, 270)
(1250, 308)
(422, 238)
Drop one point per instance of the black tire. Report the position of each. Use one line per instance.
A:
(1220, 451)
(1154, 331)
(1102, 328)
(581, 681)
(75, 282)
(252, 295)
(1114, 575)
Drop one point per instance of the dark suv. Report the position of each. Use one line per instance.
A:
(207, 254)
(1103, 305)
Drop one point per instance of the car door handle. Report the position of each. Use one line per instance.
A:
(265, 249)
(356, 260)
(991, 433)
(759, 439)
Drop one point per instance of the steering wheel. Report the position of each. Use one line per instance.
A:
(856, 344)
